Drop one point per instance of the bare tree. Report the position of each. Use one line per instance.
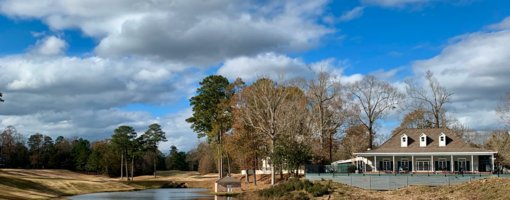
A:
(263, 110)
(324, 95)
(374, 98)
(433, 98)
(500, 142)
(353, 140)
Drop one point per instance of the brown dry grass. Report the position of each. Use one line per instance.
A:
(44, 184)
(492, 188)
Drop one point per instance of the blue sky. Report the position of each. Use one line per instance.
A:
(76, 68)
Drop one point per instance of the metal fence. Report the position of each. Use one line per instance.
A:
(395, 181)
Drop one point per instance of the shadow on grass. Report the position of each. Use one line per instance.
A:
(29, 185)
(157, 184)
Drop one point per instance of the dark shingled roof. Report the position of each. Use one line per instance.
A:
(453, 143)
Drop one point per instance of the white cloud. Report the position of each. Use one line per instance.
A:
(178, 132)
(194, 31)
(394, 3)
(263, 65)
(277, 66)
(352, 14)
(84, 96)
(49, 46)
(476, 67)
(505, 24)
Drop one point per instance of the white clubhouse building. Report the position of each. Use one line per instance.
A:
(427, 151)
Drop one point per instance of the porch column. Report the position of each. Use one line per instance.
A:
(364, 165)
(432, 163)
(492, 161)
(375, 163)
(394, 164)
(412, 163)
(451, 163)
(472, 164)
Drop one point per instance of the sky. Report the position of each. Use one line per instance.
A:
(81, 68)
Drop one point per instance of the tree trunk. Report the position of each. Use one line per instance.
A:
(220, 160)
(254, 176)
(121, 163)
(127, 168)
(330, 147)
(247, 178)
(155, 156)
(228, 165)
(272, 164)
(370, 136)
(132, 167)
(281, 172)
(255, 169)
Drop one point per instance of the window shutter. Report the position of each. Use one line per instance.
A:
(456, 166)
(436, 165)
(379, 167)
(398, 165)
(468, 166)
(391, 167)
(448, 166)
(410, 165)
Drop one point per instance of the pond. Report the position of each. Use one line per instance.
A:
(155, 194)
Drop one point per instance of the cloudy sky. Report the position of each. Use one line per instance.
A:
(83, 67)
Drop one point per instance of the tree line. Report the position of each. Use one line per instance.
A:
(125, 154)
(318, 120)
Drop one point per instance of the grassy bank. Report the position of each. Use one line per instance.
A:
(46, 184)
(492, 188)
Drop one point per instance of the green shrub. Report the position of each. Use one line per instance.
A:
(284, 189)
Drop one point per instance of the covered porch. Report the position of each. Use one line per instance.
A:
(430, 162)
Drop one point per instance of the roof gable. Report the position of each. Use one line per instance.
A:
(453, 143)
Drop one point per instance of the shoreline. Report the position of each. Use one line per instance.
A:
(61, 184)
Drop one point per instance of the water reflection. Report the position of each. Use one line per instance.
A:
(155, 194)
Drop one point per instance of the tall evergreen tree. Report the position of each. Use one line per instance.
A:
(122, 139)
(151, 138)
(211, 113)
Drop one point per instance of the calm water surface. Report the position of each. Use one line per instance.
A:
(154, 194)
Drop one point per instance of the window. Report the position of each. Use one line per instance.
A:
(403, 141)
(442, 140)
(423, 140)
(423, 165)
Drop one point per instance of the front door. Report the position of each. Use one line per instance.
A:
(441, 165)
(462, 165)
(423, 165)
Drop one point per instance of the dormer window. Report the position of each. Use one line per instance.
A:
(442, 140)
(423, 140)
(403, 140)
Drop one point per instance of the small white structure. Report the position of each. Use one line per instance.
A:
(361, 163)
(266, 168)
